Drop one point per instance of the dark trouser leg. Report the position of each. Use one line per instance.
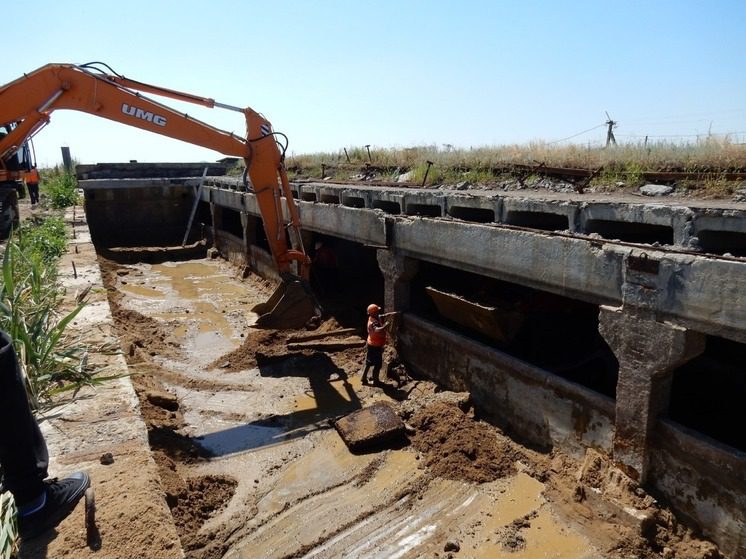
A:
(375, 360)
(33, 192)
(23, 452)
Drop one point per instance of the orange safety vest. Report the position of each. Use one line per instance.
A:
(375, 338)
(32, 176)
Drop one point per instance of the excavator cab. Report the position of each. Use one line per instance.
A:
(13, 167)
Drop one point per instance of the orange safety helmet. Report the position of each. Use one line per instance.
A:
(373, 309)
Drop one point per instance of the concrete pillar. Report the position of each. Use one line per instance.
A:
(648, 352)
(217, 216)
(248, 224)
(398, 272)
(216, 212)
(308, 239)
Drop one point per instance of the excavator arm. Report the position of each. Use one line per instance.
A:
(29, 101)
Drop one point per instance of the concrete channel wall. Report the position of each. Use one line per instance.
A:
(660, 292)
(538, 406)
(697, 290)
(664, 276)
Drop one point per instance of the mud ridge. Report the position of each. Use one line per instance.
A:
(192, 500)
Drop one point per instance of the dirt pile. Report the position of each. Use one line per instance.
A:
(511, 537)
(269, 348)
(264, 342)
(455, 446)
(620, 515)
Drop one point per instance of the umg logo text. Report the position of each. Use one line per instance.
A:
(143, 114)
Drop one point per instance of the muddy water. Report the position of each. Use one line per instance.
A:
(300, 491)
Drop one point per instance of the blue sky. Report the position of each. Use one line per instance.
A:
(332, 74)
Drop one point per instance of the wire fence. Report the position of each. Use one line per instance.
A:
(630, 130)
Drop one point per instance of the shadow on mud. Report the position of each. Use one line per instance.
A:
(329, 404)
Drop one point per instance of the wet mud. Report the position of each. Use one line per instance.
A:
(241, 428)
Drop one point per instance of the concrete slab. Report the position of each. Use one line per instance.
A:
(370, 426)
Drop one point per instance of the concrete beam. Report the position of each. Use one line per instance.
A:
(696, 292)
(354, 224)
(563, 265)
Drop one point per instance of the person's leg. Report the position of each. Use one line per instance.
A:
(24, 458)
(377, 361)
(370, 361)
(23, 452)
(367, 365)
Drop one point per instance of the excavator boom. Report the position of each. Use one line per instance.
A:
(27, 103)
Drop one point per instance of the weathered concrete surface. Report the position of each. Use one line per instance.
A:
(704, 481)
(684, 217)
(675, 218)
(139, 211)
(147, 170)
(512, 208)
(648, 351)
(398, 271)
(570, 267)
(370, 426)
(540, 407)
(363, 226)
(697, 292)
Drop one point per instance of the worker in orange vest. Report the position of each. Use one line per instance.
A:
(32, 184)
(376, 343)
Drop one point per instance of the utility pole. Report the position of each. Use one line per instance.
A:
(67, 161)
(610, 139)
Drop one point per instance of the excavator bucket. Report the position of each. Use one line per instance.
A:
(290, 306)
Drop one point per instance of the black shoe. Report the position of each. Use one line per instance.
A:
(59, 500)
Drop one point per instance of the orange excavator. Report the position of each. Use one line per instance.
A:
(27, 103)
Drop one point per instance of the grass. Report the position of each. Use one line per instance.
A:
(53, 361)
(60, 188)
(484, 165)
(8, 527)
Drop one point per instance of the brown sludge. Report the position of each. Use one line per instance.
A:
(258, 501)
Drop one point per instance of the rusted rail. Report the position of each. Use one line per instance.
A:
(578, 176)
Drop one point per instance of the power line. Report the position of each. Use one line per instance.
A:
(576, 135)
(701, 134)
(700, 116)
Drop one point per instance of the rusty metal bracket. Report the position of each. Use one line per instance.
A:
(643, 263)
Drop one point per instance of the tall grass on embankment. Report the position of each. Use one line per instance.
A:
(483, 165)
(59, 188)
(53, 361)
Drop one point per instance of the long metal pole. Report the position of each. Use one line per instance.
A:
(194, 207)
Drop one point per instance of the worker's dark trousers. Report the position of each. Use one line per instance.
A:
(373, 358)
(33, 192)
(23, 452)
